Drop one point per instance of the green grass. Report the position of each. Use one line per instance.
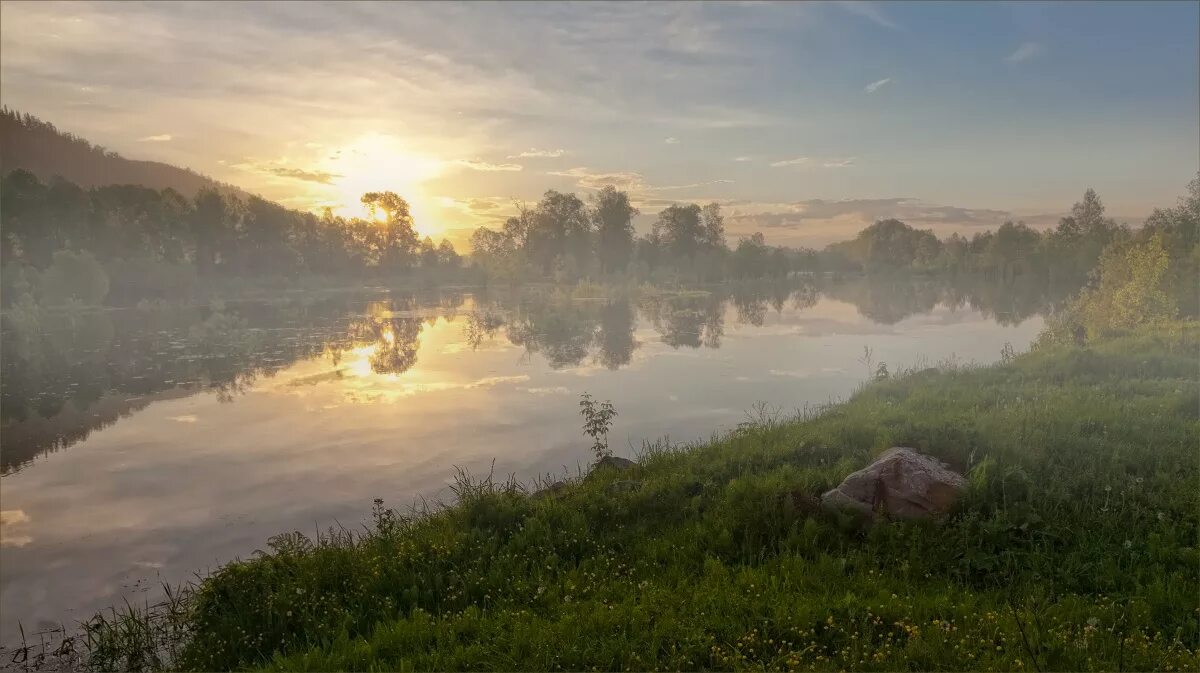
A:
(1075, 547)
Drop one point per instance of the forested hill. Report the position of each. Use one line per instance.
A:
(42, 149)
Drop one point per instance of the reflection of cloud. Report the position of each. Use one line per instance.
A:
(186, 418)
(789, 162)
(553, 390)
(385, 387)
(162, 138)
(8, 519)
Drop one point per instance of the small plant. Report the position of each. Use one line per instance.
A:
(881, 372)
(1007, 353)
(868, 361)
(597, 419)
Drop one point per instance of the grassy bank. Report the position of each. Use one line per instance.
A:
(1075, 547)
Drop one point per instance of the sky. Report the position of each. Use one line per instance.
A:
(806, 121)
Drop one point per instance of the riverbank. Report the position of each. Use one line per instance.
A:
(1073, 549)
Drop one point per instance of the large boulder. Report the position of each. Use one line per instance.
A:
(901, 483)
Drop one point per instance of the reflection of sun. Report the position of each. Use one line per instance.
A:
(377, 162)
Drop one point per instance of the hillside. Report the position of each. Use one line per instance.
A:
(44, 150)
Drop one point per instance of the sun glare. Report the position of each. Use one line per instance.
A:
(378, 162)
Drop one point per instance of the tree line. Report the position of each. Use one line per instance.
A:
(61, 243)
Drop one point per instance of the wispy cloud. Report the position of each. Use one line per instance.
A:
(688, 186)
(162, 138)
(627, 180)
(478, 165)
(871, 12)
(1025, 52)
(672, 141)
(535, 153)
(743, 159)
(874, 86)
(839, 163)
(789, 162)
(320, 177)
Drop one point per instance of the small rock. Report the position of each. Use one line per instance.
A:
(901, 483)
(553, 489)
(614, 462)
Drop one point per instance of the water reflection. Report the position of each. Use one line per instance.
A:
(197, 433)
(66, 375)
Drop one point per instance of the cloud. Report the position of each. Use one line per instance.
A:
(477, 165)
(817, 222)
(672, 141)
(742, 159)
(871, 12)
(162, 138)
(535, 153)
(1025, 52)
(874, 86)
(789, 162)
(626, 180)
(320, 177)
(688, 186)
(839, 163)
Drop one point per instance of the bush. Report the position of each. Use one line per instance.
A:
(73, 277)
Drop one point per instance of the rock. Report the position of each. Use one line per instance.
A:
(623, 486)
(614, 462)
(553, 489)
(901, 483)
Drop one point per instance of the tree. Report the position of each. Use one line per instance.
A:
(210, 226)
(612, 217)
(447, 256)
(399, 241)
(558, 227)
(680, 229)
(714, 226)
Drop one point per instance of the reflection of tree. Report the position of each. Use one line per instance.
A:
(396, 345)
(65, 373)
(888, 299)
(559, 329)
(688, 320)
(615, 338)
(481, 327)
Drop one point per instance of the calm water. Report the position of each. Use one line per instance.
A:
(143, 446)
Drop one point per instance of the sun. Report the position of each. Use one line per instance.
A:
(379, 162)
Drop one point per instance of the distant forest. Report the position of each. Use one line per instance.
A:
(76, 236)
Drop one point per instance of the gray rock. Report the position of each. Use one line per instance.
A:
(552, 490)
(901, 483)
(614, 462)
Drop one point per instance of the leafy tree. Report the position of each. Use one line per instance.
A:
(680, 229)
(714, 226)
(612, 217)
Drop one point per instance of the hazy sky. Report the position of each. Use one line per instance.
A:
(806, 120)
